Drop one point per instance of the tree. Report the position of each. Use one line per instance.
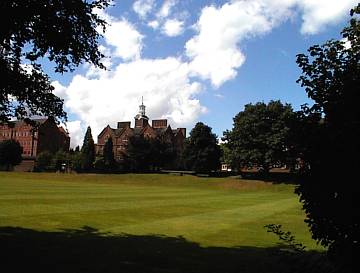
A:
(260, 135)
(76, 161)
(63, 31)
(99, 163)
(108, 156)
(328, 190)
(61, 157)
(202, 152)
(138, 153)
(149, 154)
(10, 153)
(43, 161)
(88, 151)
(225, 154)
(162, 153)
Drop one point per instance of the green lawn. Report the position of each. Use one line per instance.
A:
(220, 212)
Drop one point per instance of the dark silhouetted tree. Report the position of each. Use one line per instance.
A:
(108, 155)
(329, 190)
(77, 149)
(139, 153)
(76, 161)
(260, 135)
(63, 31)
(162, 154)
(88, 151)
(10, 153)
(202, 152)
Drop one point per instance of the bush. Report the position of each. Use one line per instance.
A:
(43, 161)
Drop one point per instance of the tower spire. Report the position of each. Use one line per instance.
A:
(142, 107)
(141, 119)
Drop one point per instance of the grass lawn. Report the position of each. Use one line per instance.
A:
(208, 212)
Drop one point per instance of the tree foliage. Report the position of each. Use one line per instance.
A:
(328, 190)
(162, 153)
(43, 161)
(202, 152)
(260, 135)
(10, 153)
(60, 157)
(63, 31)
(138, 153)
(76, 161)
(149, 154)
(88, 151)
(108, 156)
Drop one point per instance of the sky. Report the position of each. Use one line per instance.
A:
(196, 60)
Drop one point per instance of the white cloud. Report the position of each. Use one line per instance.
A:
(317, 14)
(173, 27)
(59, 90)
(76, 131)
(165, 84)
(154, 24)
(125, 38)
(219, 96)
(143, 7)
(215, 52)
(166, 8)
(170, 85)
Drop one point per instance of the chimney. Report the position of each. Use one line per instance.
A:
(183, 131)
(123, 124)
(159, 123)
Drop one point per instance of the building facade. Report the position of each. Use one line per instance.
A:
(159, 128)
(44, 136)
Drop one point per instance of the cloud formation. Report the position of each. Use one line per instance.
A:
(173, 27)
(166, 8)
(125, 39)
(143, 7)
(165, 84)
(170, 85)
(215, 51)
(316, 15)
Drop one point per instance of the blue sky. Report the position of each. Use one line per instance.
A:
(196, 60)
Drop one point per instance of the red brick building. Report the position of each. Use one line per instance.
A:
(45, 136)
(158, 128)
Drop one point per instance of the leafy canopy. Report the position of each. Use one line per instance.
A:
(138, 155)
(10, 153)
(328, 190)
(260, 135)
(63, 31)
(202, 152)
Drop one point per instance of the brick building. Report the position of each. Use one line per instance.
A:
(45, 136)
(159, 128)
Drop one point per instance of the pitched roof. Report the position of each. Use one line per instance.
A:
(18, 123)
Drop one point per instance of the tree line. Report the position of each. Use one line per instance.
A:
(201, 153)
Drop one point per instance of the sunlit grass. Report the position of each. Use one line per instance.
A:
(210, 211)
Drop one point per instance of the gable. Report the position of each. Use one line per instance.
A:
(149, 132)
(105, 134)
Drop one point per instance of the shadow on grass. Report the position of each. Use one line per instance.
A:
(87, 250)
(273, 177)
